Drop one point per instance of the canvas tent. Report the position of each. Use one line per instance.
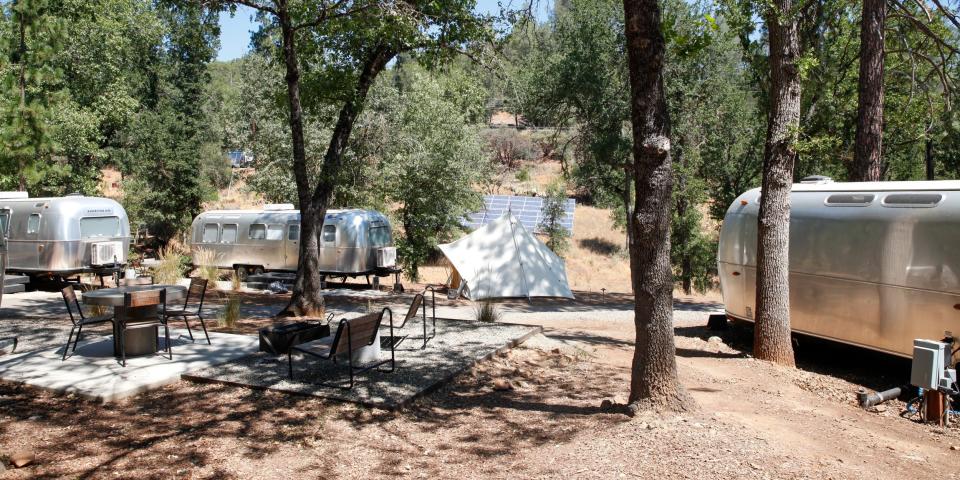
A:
(502, 260)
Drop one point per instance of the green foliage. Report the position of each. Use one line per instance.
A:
(553, 212)
(32, 34)
(523, 175)
(166, 188)
(432, 160)
(574, 73)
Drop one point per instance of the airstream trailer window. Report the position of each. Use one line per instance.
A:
(850, 199)
(329, 234)
(275, 232)
(258, 231)
(33, 223)
(4, 221)
(379, 236)
(91, 227)
(294, 233)
(912, 200)
(210, 231)
(229, 234)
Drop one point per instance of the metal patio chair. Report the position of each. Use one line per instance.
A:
(146, 298)
(352, 334)
(80, 320)
(418, 303)
(196, 292)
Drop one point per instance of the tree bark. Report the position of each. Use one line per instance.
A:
(772, 329)
(654, 383)
(867, 160)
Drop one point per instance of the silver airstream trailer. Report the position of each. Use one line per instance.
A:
(353, 242)
(871, 264)
(60, 236)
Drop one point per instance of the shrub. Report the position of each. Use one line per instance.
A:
(487, 311)
(509, 147)
(205, 262)
(170, 267)
(523, 175)
(231, 313)
(235, 284)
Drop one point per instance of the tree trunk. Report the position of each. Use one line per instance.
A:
(627, 180)
(772, 330)
(306, 297)
(928, 160)
(654, 382)
(867, 159)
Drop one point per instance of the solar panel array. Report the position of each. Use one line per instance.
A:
(528, 210)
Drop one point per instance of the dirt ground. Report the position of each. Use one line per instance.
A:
(752, 419)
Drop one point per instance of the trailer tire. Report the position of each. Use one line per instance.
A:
(241, 272)
(258, 270)
(717, 322)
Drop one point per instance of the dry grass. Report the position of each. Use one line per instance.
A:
(230, 314)
(237, 196)
(205, 262)
(169, 268)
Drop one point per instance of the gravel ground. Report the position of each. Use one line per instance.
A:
(457, 346)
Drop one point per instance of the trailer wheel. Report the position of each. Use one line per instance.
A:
(241, 272)
(258, 270)
(717, 322)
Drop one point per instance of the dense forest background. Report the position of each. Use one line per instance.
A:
(132, 85)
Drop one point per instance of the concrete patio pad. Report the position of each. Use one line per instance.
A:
(94, 373)
(458, 346)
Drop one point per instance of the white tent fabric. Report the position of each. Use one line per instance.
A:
(502, 260)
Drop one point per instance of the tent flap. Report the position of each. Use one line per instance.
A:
(502, 260)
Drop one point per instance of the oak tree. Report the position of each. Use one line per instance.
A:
(654, 382)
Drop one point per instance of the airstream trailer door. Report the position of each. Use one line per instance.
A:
(32, 237)
(292, 246)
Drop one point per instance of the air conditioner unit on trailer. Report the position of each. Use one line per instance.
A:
(386, 257)
(106, 253)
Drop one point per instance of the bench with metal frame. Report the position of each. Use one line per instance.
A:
(418, 303)
(352, 334)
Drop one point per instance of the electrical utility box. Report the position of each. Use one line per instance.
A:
(929, 362)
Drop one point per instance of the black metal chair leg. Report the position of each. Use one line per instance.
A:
(123, 348)
(166, 330)
(77, 340)
(290, 363)
(187, 322)
(204, 325)
(66, 348)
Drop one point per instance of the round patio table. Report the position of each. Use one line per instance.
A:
(139, 341)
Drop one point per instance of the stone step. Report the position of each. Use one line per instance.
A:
(15, 288)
